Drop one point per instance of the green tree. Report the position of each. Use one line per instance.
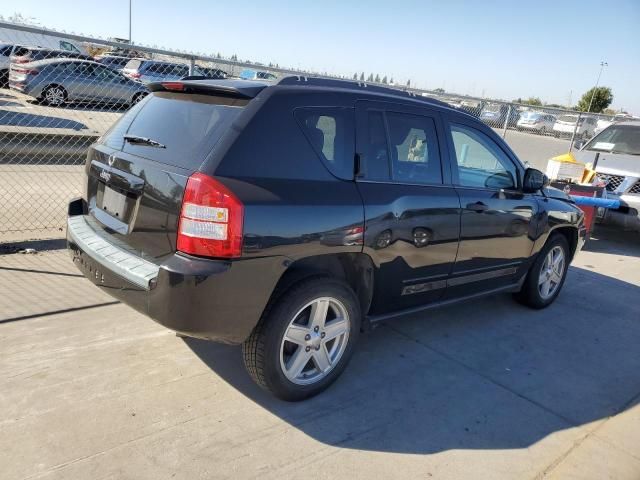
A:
(362, 77)
(391, 81)
(602, 98)
(355, 76)
(408, 83)
(370, 77)
(530, 101)
(384, 80)
(377, 79)
(439, 90)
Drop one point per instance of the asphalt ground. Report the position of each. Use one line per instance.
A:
(89, 388)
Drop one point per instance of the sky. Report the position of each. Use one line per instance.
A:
(502, 49)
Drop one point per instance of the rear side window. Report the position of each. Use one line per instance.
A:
(330, 130)
(401, 147)
(188, 125)
(415, 157)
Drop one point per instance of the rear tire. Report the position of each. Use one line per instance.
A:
(304, 339)
(54, 95)
(547, 274)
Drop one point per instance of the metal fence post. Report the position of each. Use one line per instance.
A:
(192, 64)
(506, 122)
(573, 135)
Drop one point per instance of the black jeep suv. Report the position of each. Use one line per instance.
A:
(288, 217)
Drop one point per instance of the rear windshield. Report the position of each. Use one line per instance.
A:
(20, 51)
(188, 126)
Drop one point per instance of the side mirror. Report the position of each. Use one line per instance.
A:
(578, 143)
(534, 180)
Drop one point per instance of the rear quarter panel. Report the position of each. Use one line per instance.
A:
(293, 205)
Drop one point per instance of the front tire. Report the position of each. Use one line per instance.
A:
(304, 339)
(547, 274)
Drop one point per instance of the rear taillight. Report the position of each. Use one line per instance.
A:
(26, 71)
(173, 86)
(135, 75)
(211, 219)
(20, 60)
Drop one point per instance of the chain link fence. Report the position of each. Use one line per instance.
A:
(59, 92)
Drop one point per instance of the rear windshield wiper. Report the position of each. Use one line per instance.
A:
(143, 140)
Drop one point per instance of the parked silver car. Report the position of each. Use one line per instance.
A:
(147, 71)
(617, 149)
(57, 81)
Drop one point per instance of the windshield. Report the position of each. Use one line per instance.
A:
(568, 118)
(617, 139)
(492, 108)
(531, 115)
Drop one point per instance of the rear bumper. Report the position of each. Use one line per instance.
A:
(212, 299)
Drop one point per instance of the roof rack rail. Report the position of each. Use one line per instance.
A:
(357, 85)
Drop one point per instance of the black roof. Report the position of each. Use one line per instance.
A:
(251, 88)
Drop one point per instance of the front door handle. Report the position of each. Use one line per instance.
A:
(478, 207)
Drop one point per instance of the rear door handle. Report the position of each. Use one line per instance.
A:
(478, 207)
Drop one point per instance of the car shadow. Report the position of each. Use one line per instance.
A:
(85, 106)
(22, 119)
(614, 240)
(489, 374)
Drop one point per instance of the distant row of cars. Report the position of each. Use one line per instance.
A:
(544, 123)
(56, 76)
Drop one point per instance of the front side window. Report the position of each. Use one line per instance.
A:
(481, 162)
(330, 131)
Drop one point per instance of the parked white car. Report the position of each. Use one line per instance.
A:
(539, 121)
(615, 154)
(566, 124)
(618, 117)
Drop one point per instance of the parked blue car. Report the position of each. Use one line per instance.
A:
(58, 81)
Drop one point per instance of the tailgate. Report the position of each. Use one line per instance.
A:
(138, 170)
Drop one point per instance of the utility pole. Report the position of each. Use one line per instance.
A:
(602, 65)
(130, 41)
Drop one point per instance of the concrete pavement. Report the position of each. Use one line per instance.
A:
(490, 389)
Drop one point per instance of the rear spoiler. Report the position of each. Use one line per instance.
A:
(228, 88)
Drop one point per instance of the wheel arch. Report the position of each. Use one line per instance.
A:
(570, 233)
(356, 269)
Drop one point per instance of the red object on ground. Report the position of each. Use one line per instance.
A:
(582, 191)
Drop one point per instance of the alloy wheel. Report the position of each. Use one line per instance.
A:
(314, 341)
(54, 95)
(551, 272)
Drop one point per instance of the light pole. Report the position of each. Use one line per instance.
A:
(602, 65)
(130, 21)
